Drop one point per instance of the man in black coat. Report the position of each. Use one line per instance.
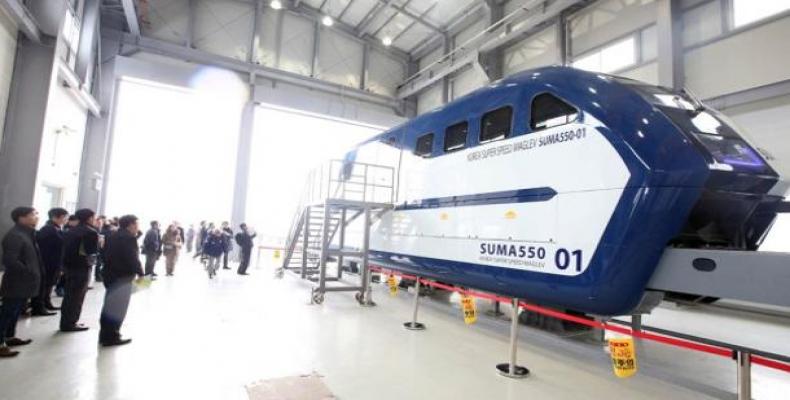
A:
(122, 265)
(227, 235)
(80, 249)
(22, 278)
(152, 248)
(244, 240)
(50, 243)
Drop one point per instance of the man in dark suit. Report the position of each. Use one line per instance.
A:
(22, 278)
(244, 240)
(152, 248)
(80, 249)
(122, 257)
(50, 243)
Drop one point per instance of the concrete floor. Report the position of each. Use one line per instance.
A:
(201, 339)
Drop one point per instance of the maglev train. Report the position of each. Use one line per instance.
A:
(563, 187)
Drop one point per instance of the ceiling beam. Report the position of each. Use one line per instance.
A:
(464, 19)
(371, 16)
(23, 18)
(345, 9)
(131, 17)
(412, 23)
(403, 10)
(180, 52)
(391, 17)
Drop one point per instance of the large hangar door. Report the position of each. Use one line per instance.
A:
(766, 124)
(286, 145)
(173, 155)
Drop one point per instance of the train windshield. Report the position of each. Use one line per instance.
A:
(712, 132)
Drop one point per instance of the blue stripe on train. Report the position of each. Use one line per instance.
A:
(503, 197)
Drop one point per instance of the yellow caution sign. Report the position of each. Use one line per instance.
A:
(393, 284)
(623, 355)
(468, 306)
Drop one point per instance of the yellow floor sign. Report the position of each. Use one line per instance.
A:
(468, 306)
(393, 285)
(623, 356)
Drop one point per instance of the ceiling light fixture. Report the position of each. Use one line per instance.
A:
(386, 41)
(276, 4)
(327, 20)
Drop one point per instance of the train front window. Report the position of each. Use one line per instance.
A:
(495, 124)
(424, 147)
(549, 111)
(455, 137)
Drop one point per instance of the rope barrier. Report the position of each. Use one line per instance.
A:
(686, 344)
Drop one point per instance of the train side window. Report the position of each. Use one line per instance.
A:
(495, 124)
(455, 137)
(549, 111)
(424, 146)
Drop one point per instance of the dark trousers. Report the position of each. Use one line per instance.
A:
(9, 315)
(246, 253)
(76, 286)
(98, 268)
(48, 282)
(225, 260)
(116, 303)
(150, 262)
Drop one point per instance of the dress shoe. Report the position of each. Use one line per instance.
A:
(5, 352)
(116, 342)
(42, 313)
(75, 328)
(225, 267)
(52, 307)
(243, 273)
(13, 342)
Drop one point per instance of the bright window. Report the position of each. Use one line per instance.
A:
(611, 58)
(748, 11)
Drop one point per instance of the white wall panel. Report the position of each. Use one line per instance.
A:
(645, 73)
(8, 32)
(297, 44)
(166, 20)
(535, 51)
(607, 20)
(224, 27)
(702, 23)
(467, 81)
(430, 58)
(339, 58)
(766, 124)
(742, 61)
(429, 99)
(470, 78)
(384, 73)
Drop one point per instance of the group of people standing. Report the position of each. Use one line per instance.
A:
(214, 245)
(63, 252)
(35, 261)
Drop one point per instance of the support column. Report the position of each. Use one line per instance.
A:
(447, 45)
(492, 62)
(88, 40)
(98, 138)
(243, 157)
(24, 126)
(670, 47)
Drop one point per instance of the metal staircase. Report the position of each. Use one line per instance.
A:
(336, 195)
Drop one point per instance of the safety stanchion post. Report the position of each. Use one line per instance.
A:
(636, 322)
(511, 369)
(744, 360)
(413, 325)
